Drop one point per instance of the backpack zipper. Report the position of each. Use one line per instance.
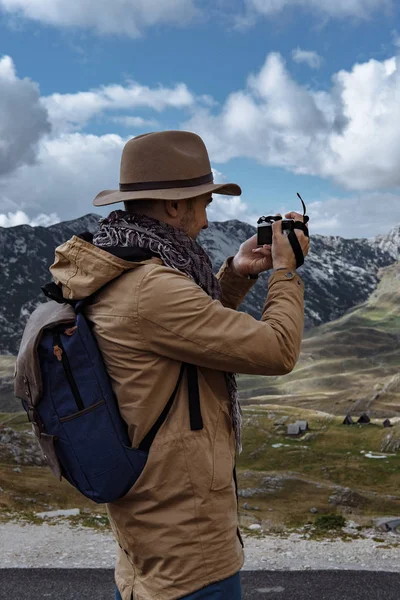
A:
(61, 355)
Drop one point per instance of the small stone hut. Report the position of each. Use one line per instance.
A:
(293, 429)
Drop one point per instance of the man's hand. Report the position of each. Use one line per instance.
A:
(282, 252)
(252, 260)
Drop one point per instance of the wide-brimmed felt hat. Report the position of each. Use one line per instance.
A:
(166, 165)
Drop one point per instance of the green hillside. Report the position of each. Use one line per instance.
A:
(348, 365)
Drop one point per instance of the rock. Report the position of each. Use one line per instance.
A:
(20, 447)
(247, 506)
(17, 470)
(249, 492)
(313, 510)
(388, 524)
(281, 421)
(272, 484)
(72, 512)
(348, 498)
(351, 525)
(254, 527)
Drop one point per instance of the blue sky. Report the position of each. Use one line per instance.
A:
(289, 95)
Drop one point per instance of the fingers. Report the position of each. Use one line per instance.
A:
(294, 215)
(304, 241)
(263, 250)
(276, 228)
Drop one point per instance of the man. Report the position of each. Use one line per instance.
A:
(158, 306)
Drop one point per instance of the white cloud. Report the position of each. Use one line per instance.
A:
(350, 133)
(13, 219)
(119, 17)
(218, 176)
(128, 121)
(359, 215)
(21, 218)
(225, 208)
(70, 171)
(327, 8)
(73, 111)
(273, 120)
(23, 121)
(309, 57)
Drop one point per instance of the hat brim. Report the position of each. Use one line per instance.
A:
(113, 196)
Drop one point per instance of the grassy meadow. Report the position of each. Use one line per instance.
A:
(325, 469)
(280, 478)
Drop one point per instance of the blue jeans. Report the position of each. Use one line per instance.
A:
(228, 589)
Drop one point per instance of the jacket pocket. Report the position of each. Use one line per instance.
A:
(223, 453)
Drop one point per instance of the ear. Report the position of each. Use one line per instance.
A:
(172, 207)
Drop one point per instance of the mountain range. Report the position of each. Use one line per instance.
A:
(339, 273)
(341, 278)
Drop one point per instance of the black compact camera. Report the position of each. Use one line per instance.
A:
(264, 229)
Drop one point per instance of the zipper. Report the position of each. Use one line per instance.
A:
(61, 356)
(82, 412)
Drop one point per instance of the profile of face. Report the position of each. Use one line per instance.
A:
(194, 215)
(188, 215)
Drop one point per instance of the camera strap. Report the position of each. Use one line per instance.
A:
(292, 237)
(298, 252)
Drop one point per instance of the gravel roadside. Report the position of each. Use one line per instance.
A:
(63, 546)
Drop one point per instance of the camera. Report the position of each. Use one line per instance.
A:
(264, 229)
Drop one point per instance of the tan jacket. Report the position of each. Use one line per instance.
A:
(177, 527)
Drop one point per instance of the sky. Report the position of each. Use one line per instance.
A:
(288, 95)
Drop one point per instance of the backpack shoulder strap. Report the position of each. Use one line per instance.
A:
(196, 421)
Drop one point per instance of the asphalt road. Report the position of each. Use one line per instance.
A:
(97, 584)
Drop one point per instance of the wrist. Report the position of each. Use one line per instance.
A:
(234, 267)
(238, 273)
(287, 267)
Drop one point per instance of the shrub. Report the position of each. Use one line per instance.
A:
(330, 521)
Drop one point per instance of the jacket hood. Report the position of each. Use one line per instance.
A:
(82, 268)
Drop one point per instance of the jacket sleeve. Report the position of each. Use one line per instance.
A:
(179, 320)
(234, 288)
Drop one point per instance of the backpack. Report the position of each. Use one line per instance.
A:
(67, 394)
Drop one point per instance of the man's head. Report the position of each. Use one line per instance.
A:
(189, 215)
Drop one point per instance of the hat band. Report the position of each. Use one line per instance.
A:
(165, 185)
